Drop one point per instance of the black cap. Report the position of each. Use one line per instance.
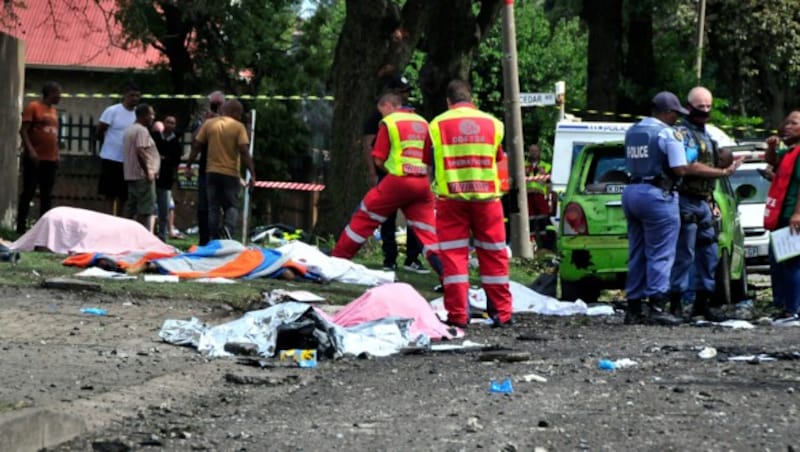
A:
(666, 101)
(399, 83)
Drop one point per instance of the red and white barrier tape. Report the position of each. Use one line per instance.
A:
(282, 185)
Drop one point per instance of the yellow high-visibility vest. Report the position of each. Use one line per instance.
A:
(407, 133)
(465, 142)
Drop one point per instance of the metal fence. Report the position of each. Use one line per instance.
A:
(78, 135)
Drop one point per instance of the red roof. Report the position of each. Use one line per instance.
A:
(76, 34)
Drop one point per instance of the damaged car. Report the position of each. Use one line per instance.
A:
(592, 233)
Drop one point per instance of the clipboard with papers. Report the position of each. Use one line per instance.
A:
(785, 244)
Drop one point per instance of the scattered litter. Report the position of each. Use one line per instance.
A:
(97, 272)
(466, 345)
(161, 278)
(215, 280)
(760, 358)
(94, 311)
(732, 324)
(707, 353)
(600, 309)
(624, 362)
(507, 356)
(278, 295)
(303, 358)
(605, 364)
(533, 377)
(503, 387)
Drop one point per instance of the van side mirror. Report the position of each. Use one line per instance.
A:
(745, 191)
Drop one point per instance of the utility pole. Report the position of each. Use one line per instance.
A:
(520, 228)
(701, 24)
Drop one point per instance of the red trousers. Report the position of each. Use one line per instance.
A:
(455, 220)
(412, 195)
(537, 204)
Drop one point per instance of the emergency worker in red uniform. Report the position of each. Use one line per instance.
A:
(466, 148)
(398, 150)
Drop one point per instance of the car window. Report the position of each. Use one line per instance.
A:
(607, 172)
(751, 176)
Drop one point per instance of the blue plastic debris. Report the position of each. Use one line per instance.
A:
(504, 387)
(94, 311)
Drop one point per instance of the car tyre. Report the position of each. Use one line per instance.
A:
(723, 280)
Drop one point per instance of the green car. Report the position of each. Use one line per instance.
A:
(592, 231)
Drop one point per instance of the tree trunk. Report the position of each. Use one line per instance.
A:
(639, 69)
(603, 18)
(454, 32)
(174, 47)
(376, 42)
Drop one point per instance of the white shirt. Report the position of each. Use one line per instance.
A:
(118, 119)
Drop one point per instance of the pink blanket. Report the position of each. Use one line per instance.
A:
(66, 230)
(398, 300)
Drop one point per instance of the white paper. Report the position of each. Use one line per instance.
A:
(97, 272)
(304, 296)
(785, 245)
(161, 278)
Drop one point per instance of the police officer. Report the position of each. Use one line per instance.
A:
(697, 241)
(655, 158)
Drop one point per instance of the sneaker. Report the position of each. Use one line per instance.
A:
(389, 267)
(787, 320)
(438, 288)
(416, 267)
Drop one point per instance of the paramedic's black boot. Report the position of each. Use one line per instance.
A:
(634, 316)
(658, 314)
(701, 308)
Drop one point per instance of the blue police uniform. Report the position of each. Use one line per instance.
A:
(651, 208)
(696, 252)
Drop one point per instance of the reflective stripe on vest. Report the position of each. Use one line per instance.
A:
(465, 142)
(407, 133)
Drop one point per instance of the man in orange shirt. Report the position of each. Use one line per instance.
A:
(39, 134)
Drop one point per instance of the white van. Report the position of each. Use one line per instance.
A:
(573, 134)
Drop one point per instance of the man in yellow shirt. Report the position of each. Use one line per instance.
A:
(226, 142)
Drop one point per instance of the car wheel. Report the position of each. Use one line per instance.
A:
(739, 287)
(723, 280)
(584, 290)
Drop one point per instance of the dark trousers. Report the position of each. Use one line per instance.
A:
(41, 174)
(223, 201)
(202, 208)
(162, 203)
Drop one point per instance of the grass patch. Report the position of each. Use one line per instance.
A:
(35, 267)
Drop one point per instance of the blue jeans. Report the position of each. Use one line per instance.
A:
(785, 280)
(696, 248)
(653, 225)
(223, 200)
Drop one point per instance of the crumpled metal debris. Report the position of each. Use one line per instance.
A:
(265, 328)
